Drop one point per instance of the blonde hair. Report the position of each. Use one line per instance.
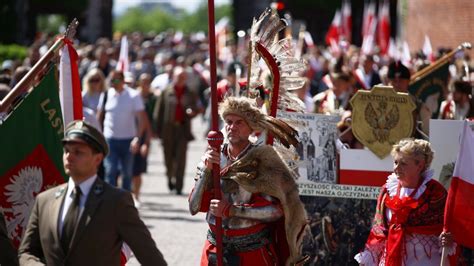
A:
(95, 72)
(416, 148)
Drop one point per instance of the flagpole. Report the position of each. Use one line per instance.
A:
(215, 138)
(29, 79)
(425, 71)
(444, 257)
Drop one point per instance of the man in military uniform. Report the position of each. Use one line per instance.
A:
(85, 221)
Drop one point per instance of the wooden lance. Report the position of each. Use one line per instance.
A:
(215, 138)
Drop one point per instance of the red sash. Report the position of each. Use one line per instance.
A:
(401, 209)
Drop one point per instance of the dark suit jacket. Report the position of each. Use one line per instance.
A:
(165, 108)
(109, 218)
(8, 254)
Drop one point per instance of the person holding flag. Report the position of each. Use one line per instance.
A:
(66, 219)
(409, 213)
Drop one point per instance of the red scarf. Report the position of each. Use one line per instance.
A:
(179, 112)
(400, 208)
(425, 219)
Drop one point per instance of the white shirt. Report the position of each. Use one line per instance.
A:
(85, 189)
(120, 113)
(91, 118)
(161, 81)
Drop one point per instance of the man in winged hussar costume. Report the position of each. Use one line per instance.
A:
(258, 191)
(263, 219)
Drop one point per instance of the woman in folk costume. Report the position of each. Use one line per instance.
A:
(409, 213)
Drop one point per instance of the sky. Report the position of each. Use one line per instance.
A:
(189, 5)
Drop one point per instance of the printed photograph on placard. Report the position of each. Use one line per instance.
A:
(339, 229)
(316, 152)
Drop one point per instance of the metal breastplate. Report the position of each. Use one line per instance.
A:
(235, 195)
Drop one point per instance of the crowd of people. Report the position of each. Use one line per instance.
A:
(167, 85)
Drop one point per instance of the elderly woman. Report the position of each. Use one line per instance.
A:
(409, 214)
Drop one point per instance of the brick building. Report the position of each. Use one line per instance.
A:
(446, 22)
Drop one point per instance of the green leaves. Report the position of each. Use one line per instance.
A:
(157, 20)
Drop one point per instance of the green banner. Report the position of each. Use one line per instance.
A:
(31, 153)
(429, 88)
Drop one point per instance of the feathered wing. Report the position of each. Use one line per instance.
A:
(285, 133)
(292, 102)
(392, 117)
(254, 30)
(264, 31)
(371, 116)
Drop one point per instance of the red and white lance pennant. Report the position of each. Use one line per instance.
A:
(71, 101)
(69, 84)
(123, 63)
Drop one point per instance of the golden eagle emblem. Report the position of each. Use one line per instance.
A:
(381, 117)
(382, 121)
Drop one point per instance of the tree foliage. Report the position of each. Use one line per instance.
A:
(157, 20)
(13, 52)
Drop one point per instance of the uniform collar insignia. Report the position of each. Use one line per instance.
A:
(98, 189)
(60, 192)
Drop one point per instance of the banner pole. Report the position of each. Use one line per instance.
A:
(28, 80)
(215, 138)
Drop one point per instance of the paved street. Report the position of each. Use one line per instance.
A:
(179, 235)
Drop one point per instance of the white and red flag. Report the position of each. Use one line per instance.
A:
(368, 43)
(308, 39)
(428, 49)
(333, 34)
(69, 84)
(363, 168)
(346, 21)
(405, 55)
(369, 15)
(393, 51)
(459, 211)
(383, 33)
(123, 63)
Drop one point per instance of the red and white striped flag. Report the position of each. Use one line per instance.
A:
(69, 84)
(369, 15)
(393, 52)
(405, 56)
(368, 43)
(459, 211)
(123, 63)
(428, 49)
(346, 24)
(334, 33)
(363, 168)
(308, 39)
(383, 36)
